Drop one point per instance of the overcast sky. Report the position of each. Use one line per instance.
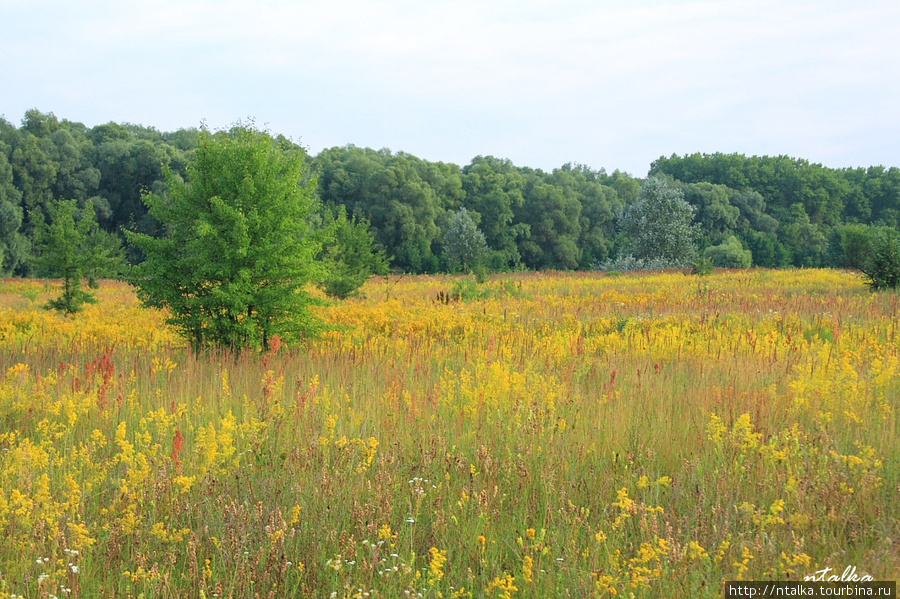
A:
(611, 84)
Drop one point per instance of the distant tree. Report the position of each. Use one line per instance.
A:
(349, 252)
(877, 255)
(464, 243)
(493, 190)
(406, 199)
(849, 246)
(72, 247)
(239, 247)
(729, 254)
(713, 209)
(767, 251)
(552, 214)
(14, 246)
(599, 204)
(806, 240)
(752, 207)
(658, 225)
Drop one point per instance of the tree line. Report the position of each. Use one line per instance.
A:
(764, 211)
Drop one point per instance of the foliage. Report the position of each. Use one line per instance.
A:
(464, 244)
(714, 211)
(628, 263)
(875, 251)
(703, 266)
(405, 199)
(552, 215)
(493, 190)
(349, 253)
(658, 225)
(803, 201)
(766, 249)
(784, 210)
(239, 250)
(881, 266)
(850, 246)
(75, 250)
(729, 254)
(14, 245)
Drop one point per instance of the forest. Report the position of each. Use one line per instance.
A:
(784, 211)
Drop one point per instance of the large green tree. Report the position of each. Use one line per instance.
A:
(239, 247)
(658, 226)
(599, 204)
(552, 215)
(14, 246)
(405, 199)
(464, 243)
(493, 189)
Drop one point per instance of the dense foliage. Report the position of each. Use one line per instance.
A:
(239, 246)
(659, 225)
(74, 249)
(348, 252)
(464, 243)
(784, 211)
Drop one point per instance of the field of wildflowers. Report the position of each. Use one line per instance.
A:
(538, 435)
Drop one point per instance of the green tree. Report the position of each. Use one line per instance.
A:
(14, 246)
(599, 204)
(882, 267)
(714, 212)
(729, 254)
(494, 191)
(464, 243)
(806, 240)
(850, 246)
(239, 247)
(350, 253)
(552, 214)
(72, 247)
(875, 251)
(658, 225)
(767, 251)
(406, 199)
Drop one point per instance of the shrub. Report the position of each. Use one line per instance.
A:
(729, 254)
(628, 263)
(882, 266)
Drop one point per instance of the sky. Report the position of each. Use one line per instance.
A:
(608, 84)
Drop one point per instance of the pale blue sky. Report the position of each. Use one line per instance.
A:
(609, 84)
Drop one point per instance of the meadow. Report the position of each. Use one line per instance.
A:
(536, 435)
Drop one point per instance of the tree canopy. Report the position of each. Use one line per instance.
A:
(785, 211)
(239, 248)
(659, 224)
(464, 243)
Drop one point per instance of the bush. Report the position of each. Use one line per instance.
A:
(850, 246)
(703, 266)
(729, 254)
(628, 263)
(882, 266)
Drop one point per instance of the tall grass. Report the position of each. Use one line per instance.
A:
(540, 435)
